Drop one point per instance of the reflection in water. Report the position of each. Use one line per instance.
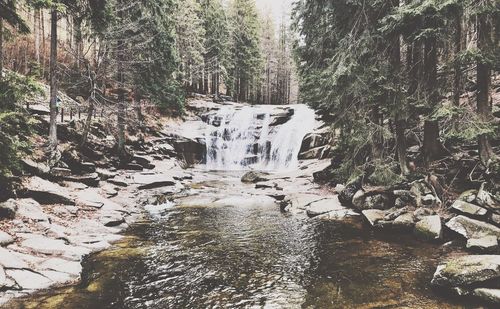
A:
(220, 257)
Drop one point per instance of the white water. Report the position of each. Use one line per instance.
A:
(242, 138)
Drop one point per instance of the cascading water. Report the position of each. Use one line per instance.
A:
(263, 137)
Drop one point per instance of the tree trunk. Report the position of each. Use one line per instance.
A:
(483, 85)
(1, 49)
(36, 34)
(457, 78)
(53, 83)
(78, 41)
(88, 123)
(121, 94)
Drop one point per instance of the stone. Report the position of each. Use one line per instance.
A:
(405, 220)
(346, 195)
(5, 239)
(429, 200)
(468, 196)
(315, 153)
(467, 270)
(105, 174)
(362, 201)
(8, 209)
(9, 260)
(39, 109)
(488, 295)
(3, 278)
(421, 213)
(61, 265)
(153, 181)
(29, 280)
(469, 209)
(35, 168)
(470, 228)
(60, 172)
(87, 167)
(254, 177)
(49, 246)
(111, 219)
(46, 192)
(486, 244)
(133, 167)
(429, 228)
(143, 161)
(313, 140)
(373, 216)
(323, 206)
(91, 179)
(31, 209)
(118, 182)
(190, 150)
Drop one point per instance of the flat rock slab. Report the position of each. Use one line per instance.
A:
(468, 209)
(470, 228)
(61, 265)
(29, 280)
(5, 239)
(429, 228)
(467, 270)
(154, 181)
(487, 243)
(50, 246)
(46, 192)
(9, 260)
(323, 206)
(111, 218)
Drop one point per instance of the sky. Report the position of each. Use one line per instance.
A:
(275, 7)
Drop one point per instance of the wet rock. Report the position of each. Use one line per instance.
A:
(60, 172)
(468, 209)
(374, 216)
(472, 229)
(429, 228)
(145, 162)
(467, 270)
(46, 192)
(31, 209)
(153, 181)
(281, 118)
(362, 201)
(118, 182)
(488, 295)
(484, 244)
(133, 167)
(323, 206)
(190, 150)
(35, 168)
(315, 153)
(91, 180)
(8, 209)
(5, 239)
(468, 196)
(313, 140)
(254, 177)
(29, 280)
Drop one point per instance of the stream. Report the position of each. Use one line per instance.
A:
(252, 257)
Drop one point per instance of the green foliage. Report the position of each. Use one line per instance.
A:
(14, 88)
(14, 133)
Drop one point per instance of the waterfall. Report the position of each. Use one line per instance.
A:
(263, 137)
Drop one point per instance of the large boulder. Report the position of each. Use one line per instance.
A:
(489, 295)
(467, 270)
(35, 168)
(472, 229)
(254, 177)
(374, 216)
(190, 150)
(313, 140)
(484, 244)
(31, 209)
(46, 192)
(321, 152)
(346, 195)
(429, 228)
(361, 201)
(323, 206)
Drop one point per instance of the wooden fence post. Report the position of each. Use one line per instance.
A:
(62, 114)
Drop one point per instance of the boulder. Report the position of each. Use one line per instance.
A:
(374, 216)
(46, 192)
(8, 209)
(91, 179)
(153, 181)
(190, 150)
(323, 206)
(472, 229)
(145, 162)
(321, 152)
(254, 177)
(105, 174)
(429, 228)
(488, 295)
(281, 118)
(39, 109)
(484, 244)
(362, 201)
(468, 209)
(346, 195)
(467, 270)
